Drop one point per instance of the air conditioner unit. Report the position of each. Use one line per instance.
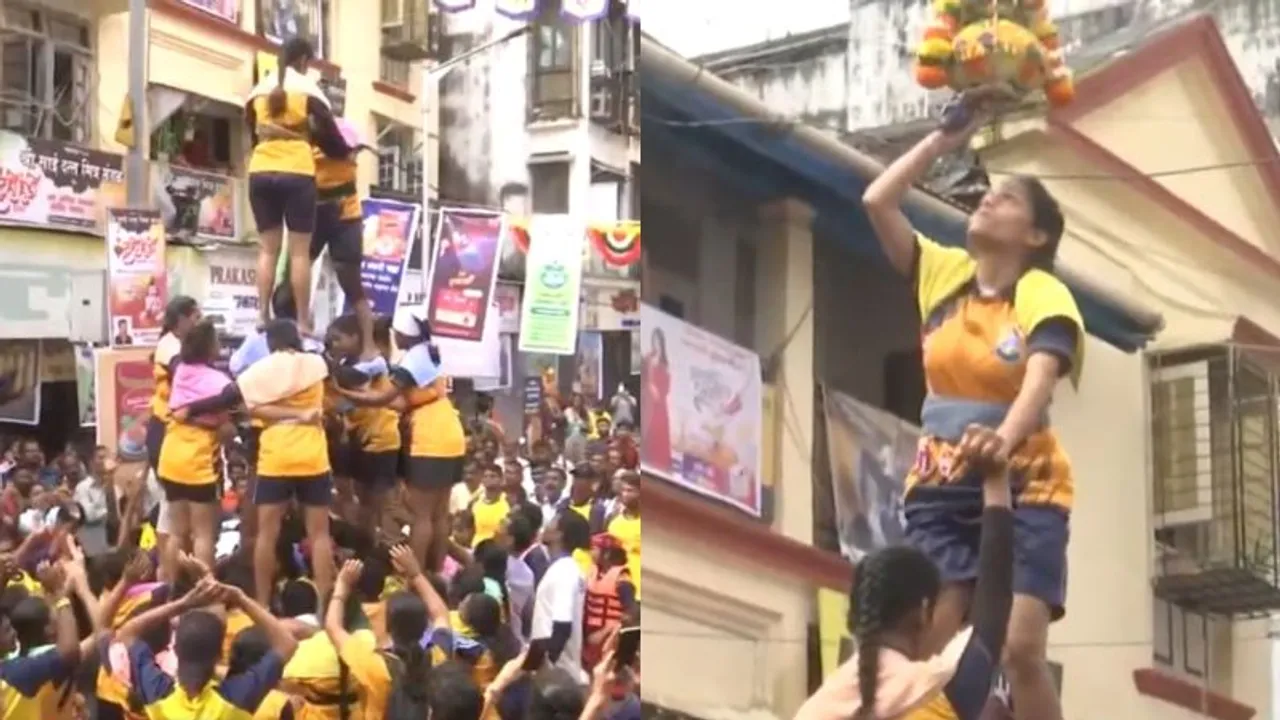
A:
(392, 13)
(602, 105)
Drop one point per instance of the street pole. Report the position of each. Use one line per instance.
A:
(136, 163)
(432, 77)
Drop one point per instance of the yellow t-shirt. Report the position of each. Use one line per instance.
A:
(28, 685)
(294, 449)
(289, 156)
(189, 455)
(488, 517)
(378, 428)
(369, 671)
(627, 532)
(336, 183)
(435, 428)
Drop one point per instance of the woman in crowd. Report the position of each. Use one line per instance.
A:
(287, 114)
(999, 332)
(437, 443)
(189, 470)
(895, 593)
(374, 431)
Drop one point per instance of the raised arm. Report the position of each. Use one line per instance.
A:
(278, 634)
(409, 569)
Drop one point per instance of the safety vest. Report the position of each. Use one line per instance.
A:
(604, 607)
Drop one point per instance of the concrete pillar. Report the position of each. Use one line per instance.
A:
(784, 328)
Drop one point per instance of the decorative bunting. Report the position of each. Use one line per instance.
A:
(618, 243)
(451, 6)
(584, 10)
(516, 9)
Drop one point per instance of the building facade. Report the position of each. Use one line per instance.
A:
(65, 82)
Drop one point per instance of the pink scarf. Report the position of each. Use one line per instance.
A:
(192, 382)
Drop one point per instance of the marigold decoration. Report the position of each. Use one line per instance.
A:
(1004, 43)
(618, 243)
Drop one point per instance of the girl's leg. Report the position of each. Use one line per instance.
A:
(438, 501)
(179, 529)
(1026, 664)
(316, 518)
(204, 518)
(268, 257)
(422, 528)
(948, 615)
(264, 550)
(300, 277)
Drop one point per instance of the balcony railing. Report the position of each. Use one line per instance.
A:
(1215, 472)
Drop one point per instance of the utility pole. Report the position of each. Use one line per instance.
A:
(136, 163)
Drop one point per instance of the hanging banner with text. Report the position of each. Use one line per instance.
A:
(56, 185)
(463, 273)
(700, 411)
(20, 382)
(231, 295)
(389, 229)
(871, 451)
(123, 383)
(553, 285)
(136, 276)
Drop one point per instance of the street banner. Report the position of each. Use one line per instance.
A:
(590, 365)
(196, 204)
(701, 405)
(870, 452)
(137, 280)
(86, 396)
(124, 383)
(389, 229)
(505, 362)
(56, 185)
(20, 382)
(507, 298)
(553, 285)
(231, 292)
(463, 272)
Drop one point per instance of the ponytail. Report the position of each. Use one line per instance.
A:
(296, 52)
(867, 622)
(416, 668)
(277, 100)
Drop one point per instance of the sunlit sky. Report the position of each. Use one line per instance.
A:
(695, 27)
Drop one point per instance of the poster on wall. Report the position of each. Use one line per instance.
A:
(20, 382)
(231, 293)
(136, 276)
(86, 396)
(553, 285)
(123, 383)
(507, 297)
(57, 185)
(389, 230)
(870, 451)
(465, 359)
(701, 400)
(637, 355)
(228, 10)
(195, 204)
(464, 269)
(590, 365)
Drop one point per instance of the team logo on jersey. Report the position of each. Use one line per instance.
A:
(1010, 347)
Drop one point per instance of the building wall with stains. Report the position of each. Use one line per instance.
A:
(870, 83)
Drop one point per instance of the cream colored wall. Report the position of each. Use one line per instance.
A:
(730, 637)
(1182, 108)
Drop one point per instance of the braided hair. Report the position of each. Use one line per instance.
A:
(888, 585)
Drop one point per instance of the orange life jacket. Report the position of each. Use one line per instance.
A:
(604, 607)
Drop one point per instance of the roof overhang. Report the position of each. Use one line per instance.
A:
(768, 156)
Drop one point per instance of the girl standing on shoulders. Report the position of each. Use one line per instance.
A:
(999, 332)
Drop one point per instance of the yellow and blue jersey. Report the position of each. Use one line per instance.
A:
(236, 697)
(31, 686)
(975, 349)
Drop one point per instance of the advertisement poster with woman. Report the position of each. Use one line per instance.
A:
(701, 398)
(463, 273)
(136, 276)
(389, 230)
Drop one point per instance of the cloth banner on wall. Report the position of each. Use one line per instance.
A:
(86, 396)
(123, 383)
(389, 229)
(136, 276)
(553, 286)
(57, 185)
(195, 204)
(870, 452)
(700, 419)
(590, 365)
(464, 269)
(20, 382)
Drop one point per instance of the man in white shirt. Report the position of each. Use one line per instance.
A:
(558, 605)
(91, 494)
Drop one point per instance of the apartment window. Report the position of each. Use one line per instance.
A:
(279, 20)
(46, 75)
(553, 82)
(1182, 443)
(549, 191)
(399, 158)
(393, 71)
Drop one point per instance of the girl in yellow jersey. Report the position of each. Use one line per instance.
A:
(286, 391)
(436, 439)
(287, 113)
(999, 332)
(374, 437)
(189, 469)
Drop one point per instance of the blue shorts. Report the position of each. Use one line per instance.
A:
(310, 491)
(948, 531)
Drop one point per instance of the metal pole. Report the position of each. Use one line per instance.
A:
(136, 163)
